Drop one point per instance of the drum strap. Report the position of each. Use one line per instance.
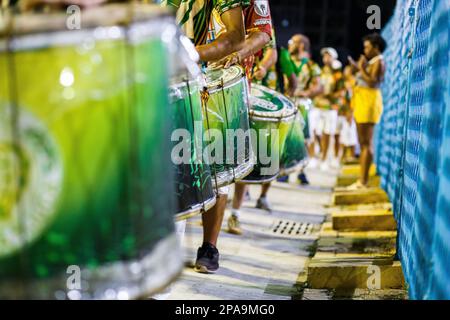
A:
(205, 97)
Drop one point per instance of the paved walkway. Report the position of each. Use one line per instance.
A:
(266, 262)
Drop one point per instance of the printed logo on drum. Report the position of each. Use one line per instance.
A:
(73, 21)
(228, 147)
(262, 8)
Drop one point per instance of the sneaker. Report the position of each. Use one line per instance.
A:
(335, 163)
(356, 186)
(207, 259)
(283, 179)
(303, 179)
(234, 225)
(324, 166)
(263, 204)
(313, 163)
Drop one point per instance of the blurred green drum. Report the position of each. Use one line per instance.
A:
(193, 181)
(272, 116)
(226, 119)
(87, 192)
(294, 151)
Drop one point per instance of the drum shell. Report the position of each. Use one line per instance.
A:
(227, 108)
(282, 126)
(193, 183)
(294, 151)
(104, 134)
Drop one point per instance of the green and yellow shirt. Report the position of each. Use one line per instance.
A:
(194, 16)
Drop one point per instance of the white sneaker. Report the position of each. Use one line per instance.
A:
(325, 166)
(313, 163)
(335, 163)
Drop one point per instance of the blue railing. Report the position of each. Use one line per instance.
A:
(413, 142)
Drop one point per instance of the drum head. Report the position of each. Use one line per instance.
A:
(214, 77)
(267, 103)
(104, 16)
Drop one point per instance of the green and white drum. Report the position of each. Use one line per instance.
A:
(226, 119)
(87, 195)
(271, 116)
(193, 183)
(294, 152)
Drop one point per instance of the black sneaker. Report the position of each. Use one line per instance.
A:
(207, 259)
(303, 179)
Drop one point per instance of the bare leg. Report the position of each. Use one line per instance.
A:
(352, 152)
(337, 145)
(365, 134)
(239, 193)
(264, 190)
(212, 221)
(325, 146)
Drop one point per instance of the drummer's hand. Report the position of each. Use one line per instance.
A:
(260, 73)
(227, 62)
(27, 5)
(362, 62)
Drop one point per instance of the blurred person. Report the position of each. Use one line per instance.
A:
(367, 101)
(296, 60)
(327, 104)
(349, 134)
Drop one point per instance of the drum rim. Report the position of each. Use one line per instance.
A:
(135, 33)
(149, 280)
(196, 209)
(107, 15)
(286, 114)
(226, 85)
(292, 169)
(236, 175)
(263, 181)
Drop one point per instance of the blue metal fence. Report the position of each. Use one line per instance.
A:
(413, 141)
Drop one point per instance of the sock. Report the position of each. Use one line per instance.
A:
(235, 213)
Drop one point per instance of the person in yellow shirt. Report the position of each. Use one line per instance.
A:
(367, 102)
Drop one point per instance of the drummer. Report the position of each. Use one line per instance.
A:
(296, 60)
(327, 105)
(258, 23)
(219, 46)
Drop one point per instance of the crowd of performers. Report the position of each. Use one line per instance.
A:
(347, 102)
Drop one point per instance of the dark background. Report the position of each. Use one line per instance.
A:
(328, 23)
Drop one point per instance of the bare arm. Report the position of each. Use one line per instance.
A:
(229, 42)
(268, 61)
(314, 89)
(255, 42)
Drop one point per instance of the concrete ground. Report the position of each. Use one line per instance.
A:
(278, 255)
(268, 261)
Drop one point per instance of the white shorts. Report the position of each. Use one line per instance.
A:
(313, 122)
(340, 124)
(349, 134)
(324, 122)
